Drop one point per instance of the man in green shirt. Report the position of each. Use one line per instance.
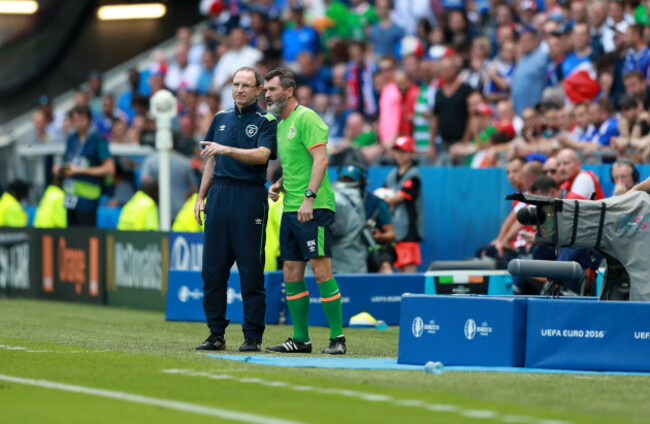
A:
(305, 233)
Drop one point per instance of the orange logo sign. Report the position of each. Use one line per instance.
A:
(72, 265)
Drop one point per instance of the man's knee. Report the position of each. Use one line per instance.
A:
(322, 268)
(293, 271)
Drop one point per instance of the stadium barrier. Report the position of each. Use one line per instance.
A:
(137, 268)
(571, 333)
(585, 334)
(378, 294)
(68, 265)
(185, 297)
(16, 262)
(462, 330)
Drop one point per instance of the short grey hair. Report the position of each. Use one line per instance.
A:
(286, 77)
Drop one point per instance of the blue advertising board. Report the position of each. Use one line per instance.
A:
(588, 335)
(462, 330)
(185, 297)
(186, 251)
(379, 295)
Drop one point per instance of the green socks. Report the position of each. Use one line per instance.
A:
(330, 297)
(298, 302)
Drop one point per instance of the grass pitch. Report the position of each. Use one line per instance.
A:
(69, 363)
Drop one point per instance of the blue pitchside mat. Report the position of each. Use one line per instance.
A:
(383, 364)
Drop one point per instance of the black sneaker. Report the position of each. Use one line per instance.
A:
(251, 345)
(336, 347)
(213, 342)
(291, 345)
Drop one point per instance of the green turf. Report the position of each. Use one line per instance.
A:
(129, 351)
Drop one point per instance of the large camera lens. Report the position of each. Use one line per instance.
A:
(528, 216)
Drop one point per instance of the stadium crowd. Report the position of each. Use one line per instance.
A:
(478, 84)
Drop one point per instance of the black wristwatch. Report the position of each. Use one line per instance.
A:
(310, 193)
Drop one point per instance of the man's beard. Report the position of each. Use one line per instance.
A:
(277, 106)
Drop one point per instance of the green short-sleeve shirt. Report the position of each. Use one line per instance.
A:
(300, 132)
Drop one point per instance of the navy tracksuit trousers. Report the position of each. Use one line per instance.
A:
(235, 230)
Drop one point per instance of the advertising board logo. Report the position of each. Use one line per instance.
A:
(14, 263)
(186, 256)
(232, 295)
(185, 294)
(138, 268)
(470, 329)
(417, 327)
(72, 265)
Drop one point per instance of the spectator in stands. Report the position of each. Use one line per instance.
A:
(636, 85)
(576, 183)
(36, 169)
(123, 183)
(313, 74)
(424, 106)
(208, 64)
(500, 248)
(386, 34)
(358, 141)
(359, 76)
(529, 76)
(181, 73)
(475, 75)
(270, 42)
(450, 112)
(637, 57)
(602, 33)
(95, 87)
(182, 184)
(12, 213)
(195, 50)
(624, 175)
(300, 37)
(305, 96)
(633, 120)
(87, 162)
(499, 73)
(125, 100)
(109, 113)
(53, 119)
(141, 212)
(187, 139)
(556, 57)
(405, 197)
(409, 12)
(340, 116)
(551, 169)
(51, 212)
(239, 54)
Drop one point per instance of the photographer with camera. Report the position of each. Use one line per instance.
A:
(377, 232)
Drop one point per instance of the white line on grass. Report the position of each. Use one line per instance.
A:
(27, 350)
(146, 400)
(373, 397)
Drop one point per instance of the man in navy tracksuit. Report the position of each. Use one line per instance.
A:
(237, 149)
